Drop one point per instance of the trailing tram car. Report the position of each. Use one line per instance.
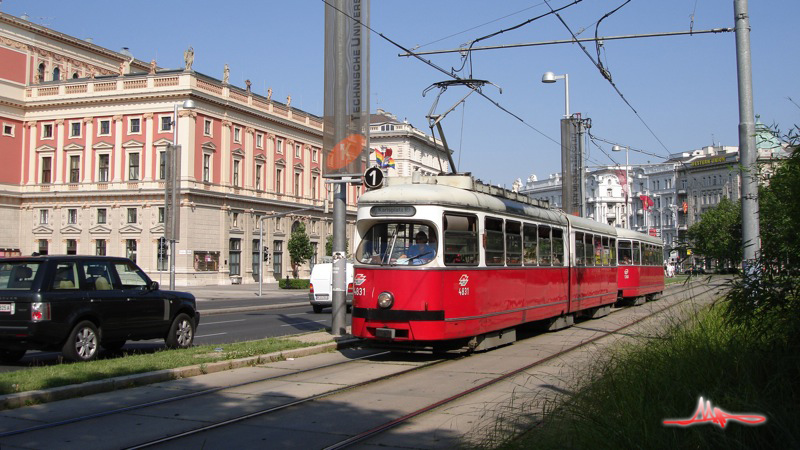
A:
(446, 261)
(640, 267)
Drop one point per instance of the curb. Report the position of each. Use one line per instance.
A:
(211, 312)
(17, 400)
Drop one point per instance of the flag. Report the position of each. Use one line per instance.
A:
(384, 158)
(647, 202)
(623, 181)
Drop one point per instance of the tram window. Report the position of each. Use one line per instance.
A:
(494, 241)
(402, 243)
(580, 258)
(606, 252)
(613, 252)
(558, 247)
(460, 240)
(598, 251)
(529, 236)
(513, 243)
(588, 245)
(544, 246)
(625, 253)
(637, 257)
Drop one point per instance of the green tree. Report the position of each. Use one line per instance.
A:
(779, 207)
(329, 245)
(718, 234)
(300, 249)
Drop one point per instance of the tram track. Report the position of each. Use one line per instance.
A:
(355, 437)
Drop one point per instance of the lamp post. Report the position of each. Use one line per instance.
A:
(550, 77)
(171, 197)
(618, 148)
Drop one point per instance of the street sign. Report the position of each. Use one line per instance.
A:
(373, 178)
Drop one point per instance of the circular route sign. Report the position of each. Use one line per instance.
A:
(373, 178)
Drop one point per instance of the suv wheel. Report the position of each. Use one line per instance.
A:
(317, 309)
(82, 343)
(181, 333)
(11, 356)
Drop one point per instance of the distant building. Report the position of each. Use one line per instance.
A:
(400, 149)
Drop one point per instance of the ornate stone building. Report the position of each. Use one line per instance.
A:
(84, 137)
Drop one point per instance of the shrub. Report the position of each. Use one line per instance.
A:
(294, 283)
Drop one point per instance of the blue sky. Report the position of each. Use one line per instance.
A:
(684, 88)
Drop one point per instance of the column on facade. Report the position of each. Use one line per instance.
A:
(307, 171)
(118, 155)
(88, 129)
(225, 153)
(186, 139)
(60, 155)
(288, 177)
(269, 167)
(249, 163)
(150, 157)
(30, 128)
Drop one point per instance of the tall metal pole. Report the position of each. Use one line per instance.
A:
(628, 186)
(173, 197)
(747, 142)
(566, 95)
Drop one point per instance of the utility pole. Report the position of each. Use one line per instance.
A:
(748, 154)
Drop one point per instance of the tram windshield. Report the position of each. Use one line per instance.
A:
(400, 243)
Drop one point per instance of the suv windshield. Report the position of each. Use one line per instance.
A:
(17, 275)
(402, 243)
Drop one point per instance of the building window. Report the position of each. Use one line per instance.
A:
(135, 126)
(237, 134)
(207, 168)
(56, 74)
(259, 140)
(235, 220)
(46, 169)
(206, 261)
(72, 216)
(259, 169)
(43, 246)
(74, 129)
(207, 127)
(314, 155)
(166, 123)
(105, 128)
(279, 146)
(101, 215)
(162, 165)
(72, 247)
(131, 215)
(236, 172)
(102, 168)
(297, 184)
(74, 169)
(297, 150)
(161, 214)
(133, 166)
(40, 72)
(313, 261)
(8, 130)
(256, 258)
(314, 187)
(100, 247)
(235, 256)
(277, 258)
(130, 249)
(278, 177)
(162, 254)
(47, 131)
(44, 216)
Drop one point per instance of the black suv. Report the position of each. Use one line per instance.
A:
(75, 303)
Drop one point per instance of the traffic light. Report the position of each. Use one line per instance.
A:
(266, 253)
(163, 247)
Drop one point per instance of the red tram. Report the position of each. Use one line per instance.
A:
(640, 266)
(446, 261)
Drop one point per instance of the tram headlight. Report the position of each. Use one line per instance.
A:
(385, 300)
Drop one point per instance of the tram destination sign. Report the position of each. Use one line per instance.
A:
(384, 211)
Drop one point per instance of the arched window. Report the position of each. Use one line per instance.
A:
(56, 74)
(75, 75)
(41, 72)
(295, 225)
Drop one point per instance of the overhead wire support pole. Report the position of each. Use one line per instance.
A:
(569, 41)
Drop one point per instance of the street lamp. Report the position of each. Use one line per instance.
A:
(172, 195)
(617, 148)
(550, 77)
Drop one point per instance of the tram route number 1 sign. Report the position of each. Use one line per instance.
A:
(373, 178)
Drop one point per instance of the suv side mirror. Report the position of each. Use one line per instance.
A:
(154, 286)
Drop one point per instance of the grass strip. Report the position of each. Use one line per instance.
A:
(63, 374)
(623, 400)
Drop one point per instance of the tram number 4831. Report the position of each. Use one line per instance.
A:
(463, 291)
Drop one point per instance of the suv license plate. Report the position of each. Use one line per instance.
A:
(7, 308)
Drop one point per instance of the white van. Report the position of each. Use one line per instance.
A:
(320, 292)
